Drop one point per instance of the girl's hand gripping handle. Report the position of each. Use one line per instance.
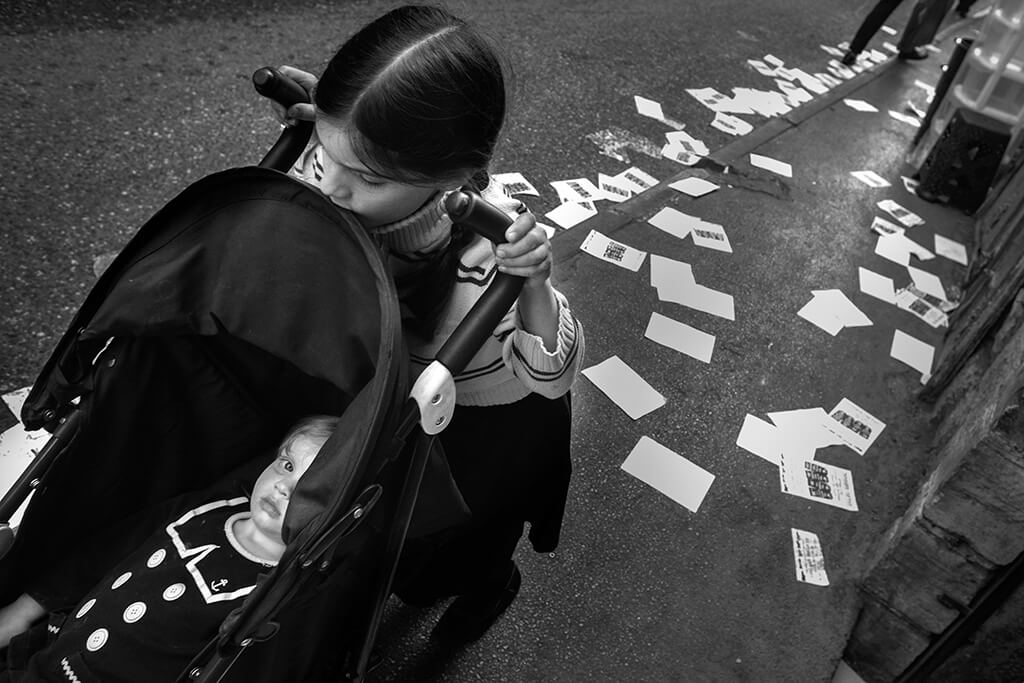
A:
(271, 83)
(471, 211)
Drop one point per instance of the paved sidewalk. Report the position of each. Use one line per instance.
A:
(642, 588)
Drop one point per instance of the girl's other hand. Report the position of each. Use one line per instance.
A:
(527, 252)
(297, 112)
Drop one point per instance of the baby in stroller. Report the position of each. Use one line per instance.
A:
(163, 602)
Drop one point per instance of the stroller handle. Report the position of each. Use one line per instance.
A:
(271, 83)
(473, 212)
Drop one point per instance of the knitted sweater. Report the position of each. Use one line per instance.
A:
(512, 363)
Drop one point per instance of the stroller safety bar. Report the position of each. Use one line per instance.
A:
(67, 427)
(434, 391)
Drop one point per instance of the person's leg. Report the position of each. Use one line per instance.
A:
(963, 7)
(872, 22)
(921, 28)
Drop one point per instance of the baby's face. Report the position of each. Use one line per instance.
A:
(273, 489)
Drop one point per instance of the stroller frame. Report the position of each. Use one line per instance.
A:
(314, 546)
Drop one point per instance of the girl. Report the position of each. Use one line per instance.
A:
(409, 109)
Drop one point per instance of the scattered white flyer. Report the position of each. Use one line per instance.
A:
(937, 302)
(876, 285)
(711, 236)
(905, 118)
(893, 248)
(803, 431)
(711, 98)
(910, 185)
(812, 83)
(681, 154)
(773, 165)
(684, 148)
(680, 337)
(675, 283)
(611, 251)
(914, 352)
(860, 105)
(818, 312)
(570, 214)
(891, 47)
(668, 274)
(764, 102)
(760, 438)
(817, 481)
(516, 183)
(908, 300)
(615, 189)
(701, 298)
(927, 282)
(762, 68)
(845, 674)
(795, 95)
(929, 89)
(674, 222)
(636, 180)
(884, 227)
(624, 387)
(870, 178)
(668, 472)
(857, 428)
(903, 215)
(733, 125)
(577, 190)
(832, 51)
(844, 309)
(809, 559)
(648, 108)
(889, 29)
(693, 186)
(954, 251)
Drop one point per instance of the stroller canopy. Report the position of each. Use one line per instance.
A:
(244, 304)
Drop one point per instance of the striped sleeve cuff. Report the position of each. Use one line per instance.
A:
(549, 373)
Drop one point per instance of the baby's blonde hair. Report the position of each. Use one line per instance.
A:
(311, 427)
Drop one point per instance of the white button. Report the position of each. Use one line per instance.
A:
(120, 581)
(134, 612)
(97, 639)
(174, 591)
(85, 608)
(156, 558)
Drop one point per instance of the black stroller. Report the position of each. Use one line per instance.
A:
(249, 301)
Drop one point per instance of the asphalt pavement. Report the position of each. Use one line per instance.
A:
(641, 589)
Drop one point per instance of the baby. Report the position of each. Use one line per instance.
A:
(158, 608)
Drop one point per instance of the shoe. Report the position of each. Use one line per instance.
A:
(915, 54)
(469, 616)
(849, 59)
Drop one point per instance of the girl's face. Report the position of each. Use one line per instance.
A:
(351, 185)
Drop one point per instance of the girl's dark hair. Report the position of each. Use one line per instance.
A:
(421, 92)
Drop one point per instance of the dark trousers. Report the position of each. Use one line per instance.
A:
(921, 28)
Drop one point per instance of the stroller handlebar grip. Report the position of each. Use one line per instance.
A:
(475, 213)
(271, 83)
